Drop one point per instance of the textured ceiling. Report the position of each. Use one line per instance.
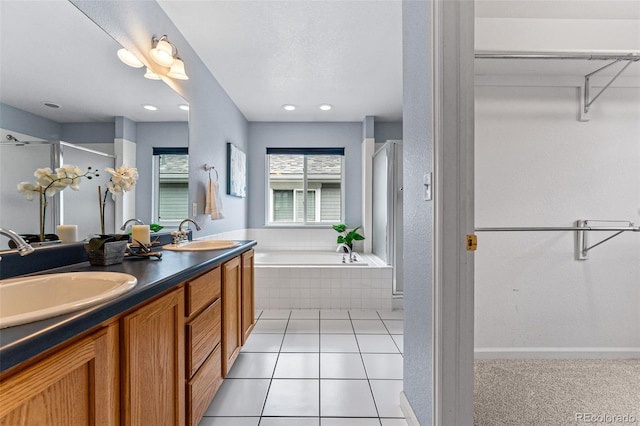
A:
(269, 53)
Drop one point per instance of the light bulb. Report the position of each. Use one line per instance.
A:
(151, 75)
(162, 54)
(129, 58)
(177, 70)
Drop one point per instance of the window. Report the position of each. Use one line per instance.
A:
(171, 185)
(305, 185)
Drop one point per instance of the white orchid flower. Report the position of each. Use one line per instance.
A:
(122, 180)
(28, 189)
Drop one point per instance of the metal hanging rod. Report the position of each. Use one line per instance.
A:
(586, 100)
(581, 228)
(560, 228)
(588, 56)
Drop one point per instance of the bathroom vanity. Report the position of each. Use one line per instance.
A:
(156, 355)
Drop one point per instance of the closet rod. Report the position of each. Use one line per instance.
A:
(631, 56)
(561, 228)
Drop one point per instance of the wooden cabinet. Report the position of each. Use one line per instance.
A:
(153, 391)
(159, 364)
(76, 385)
(248, 306)
(231, 309)
(203, 334)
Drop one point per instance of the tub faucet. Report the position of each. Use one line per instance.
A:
(339, 249)
(124, 226)
(24, 248)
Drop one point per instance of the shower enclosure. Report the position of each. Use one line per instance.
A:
(387, 209)
(19, 160)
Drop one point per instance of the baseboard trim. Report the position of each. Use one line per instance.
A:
(406, 409)
(553, 353)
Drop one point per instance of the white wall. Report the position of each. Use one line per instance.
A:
(536, 165)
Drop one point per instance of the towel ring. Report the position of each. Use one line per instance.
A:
(208, 168)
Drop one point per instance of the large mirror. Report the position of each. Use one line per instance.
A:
(52, 55)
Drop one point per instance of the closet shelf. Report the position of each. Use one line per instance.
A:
(623, 58)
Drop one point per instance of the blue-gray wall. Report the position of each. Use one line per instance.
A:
(20, 121)
(88, 132)
(418, 214)
(148, 136)
(214, 119)
(306, 134)
(385, 131)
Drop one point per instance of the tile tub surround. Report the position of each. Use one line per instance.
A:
(317, 287)
(323, 287)
(286, 238)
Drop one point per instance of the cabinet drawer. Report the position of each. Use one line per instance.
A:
(203, 387)
(202, 291)
(203, 335)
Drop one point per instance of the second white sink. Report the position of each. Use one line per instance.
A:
(202, 245)
(28, 299)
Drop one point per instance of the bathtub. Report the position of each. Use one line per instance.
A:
(308, 258)
(319, 280)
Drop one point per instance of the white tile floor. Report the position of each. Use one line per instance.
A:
(315, 368)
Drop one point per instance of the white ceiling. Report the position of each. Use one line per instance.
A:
(269, 53)
(265, 53)
(50, 51)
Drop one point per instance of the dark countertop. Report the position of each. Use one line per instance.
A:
(22, 342)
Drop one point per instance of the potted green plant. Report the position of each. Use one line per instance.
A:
(347, 237)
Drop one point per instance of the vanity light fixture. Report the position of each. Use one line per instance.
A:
(129, 58)
(289, 107)
(325, 107)
(150, 107)
(177, 70)
(184, 107)
(151, 75)
(162, 53)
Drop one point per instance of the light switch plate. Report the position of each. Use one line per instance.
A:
(194, 209)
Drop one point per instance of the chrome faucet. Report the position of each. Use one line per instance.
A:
(339, 249)
(124, 226)
(24, 248)
(180, 236)
(188, 220)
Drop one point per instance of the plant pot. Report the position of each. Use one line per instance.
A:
(111, 253)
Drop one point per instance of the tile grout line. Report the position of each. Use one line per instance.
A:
(364, 366)
(266, 397)
(391, 335)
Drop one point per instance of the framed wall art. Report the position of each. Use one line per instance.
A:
(237, 170)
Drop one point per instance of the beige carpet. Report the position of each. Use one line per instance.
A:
(557, 392)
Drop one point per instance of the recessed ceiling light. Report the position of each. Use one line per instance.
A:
(325, 107)
(51, 104)
(150, 107)
(289, 107)
(184, 107)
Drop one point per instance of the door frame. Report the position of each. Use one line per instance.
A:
(453, 281)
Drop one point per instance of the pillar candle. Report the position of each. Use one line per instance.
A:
(67, 233)
(140, 233)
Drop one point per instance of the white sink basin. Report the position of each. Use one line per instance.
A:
(28, 299)
(202, 245)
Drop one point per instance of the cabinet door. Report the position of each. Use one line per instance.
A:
(248, 307)
(76, 385)
(231, 318)
(153, 363)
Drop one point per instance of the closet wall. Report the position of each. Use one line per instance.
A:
(537, 165)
